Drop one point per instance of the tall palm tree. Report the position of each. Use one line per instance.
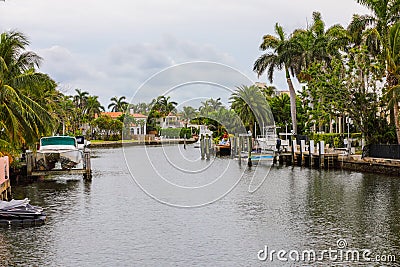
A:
(80, 98)
(385, 13)
(22, 119)
(118, 104)
(163, 105)
(188, 113)
(281, 54)
(93, 107)
(393, 68)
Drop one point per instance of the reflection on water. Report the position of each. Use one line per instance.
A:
(111, 222)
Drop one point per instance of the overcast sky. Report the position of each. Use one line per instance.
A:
(110, 48)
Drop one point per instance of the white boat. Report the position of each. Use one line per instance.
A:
(265, 145)
(62, 149)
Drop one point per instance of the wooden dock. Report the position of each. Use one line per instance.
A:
(32, 168)
(5, 185)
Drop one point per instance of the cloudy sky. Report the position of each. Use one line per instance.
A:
(111, 48)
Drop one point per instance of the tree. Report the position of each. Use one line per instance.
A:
(393, 76)
(251, 106)
(118, 104)
(385, 13)
(280, 107)
(80, 98)
(280, 55)
(23, 120)
(188, 113)
(93, 107)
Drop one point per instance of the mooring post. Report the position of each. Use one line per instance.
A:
(202, 148)
(302, 150)
(249, 148)
(29, 162)
(88, 167)
(311, 150)
(294, 149)
(208, 144)
(240, 150)
(321, 154)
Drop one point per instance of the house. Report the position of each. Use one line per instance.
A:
(137, 128)
(171, 121)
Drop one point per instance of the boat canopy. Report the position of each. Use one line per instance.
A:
(58, 140)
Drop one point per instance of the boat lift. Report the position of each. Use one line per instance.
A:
(32, 168)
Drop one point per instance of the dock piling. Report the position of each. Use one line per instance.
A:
(208, 145)
(249, 148)
(321, 153)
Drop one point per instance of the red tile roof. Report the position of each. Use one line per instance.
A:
(113, 115)
(139, 116)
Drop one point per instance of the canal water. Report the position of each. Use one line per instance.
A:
(112, 221)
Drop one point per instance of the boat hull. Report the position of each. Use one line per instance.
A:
(47, 159)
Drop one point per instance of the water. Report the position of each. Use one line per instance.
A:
(110, 221)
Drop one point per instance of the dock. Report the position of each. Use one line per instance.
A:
(32, 168)
(5, 185)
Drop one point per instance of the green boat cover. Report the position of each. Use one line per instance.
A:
(57, 140)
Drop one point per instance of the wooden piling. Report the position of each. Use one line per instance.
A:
(29, 162)
(208, 144)
(294, 145)
(240, 143)
(87, 166)
(321, 154)
(311, 152)
(202, 148)
(249, 148)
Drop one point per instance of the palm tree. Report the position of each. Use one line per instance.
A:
(93, 107)
(188, 113)
(385, 13)
(118, 104)
(22, 119)
(318, 44)
(215, 103)
(251, 106)
(281, 55)
(163, 105)
(80, 98)
(393, 68)
(280, 106)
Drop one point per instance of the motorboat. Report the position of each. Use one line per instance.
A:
(20, 212)
(82, 142)
(58, 149)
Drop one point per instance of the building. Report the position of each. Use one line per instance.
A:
(138, 127)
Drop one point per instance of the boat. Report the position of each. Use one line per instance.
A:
(82, 142)
(20, 212)
(223, 148)
(265, 145)
(58, 149)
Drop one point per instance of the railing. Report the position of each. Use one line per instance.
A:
(382, 151)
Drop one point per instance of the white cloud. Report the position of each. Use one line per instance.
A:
(109, 48)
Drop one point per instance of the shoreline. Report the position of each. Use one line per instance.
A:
(120, 143)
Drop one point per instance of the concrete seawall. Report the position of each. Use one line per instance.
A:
(373, 165)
